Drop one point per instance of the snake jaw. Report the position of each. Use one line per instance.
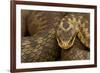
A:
(63, 45)
(66, 44)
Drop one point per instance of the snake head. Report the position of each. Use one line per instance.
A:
(66, 33)
(73, 25)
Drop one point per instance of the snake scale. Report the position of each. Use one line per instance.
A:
(52, 35)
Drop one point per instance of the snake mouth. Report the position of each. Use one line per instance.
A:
(66, 44)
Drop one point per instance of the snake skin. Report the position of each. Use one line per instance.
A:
(42, 46)
(41, 43)
(75, 27)
(77, 52)
(39, 48)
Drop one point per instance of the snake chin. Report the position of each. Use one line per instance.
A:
(64, 45)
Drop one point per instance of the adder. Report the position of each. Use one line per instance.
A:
(50, 30)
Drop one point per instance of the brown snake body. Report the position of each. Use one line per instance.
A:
(42, 46)
(46, 37)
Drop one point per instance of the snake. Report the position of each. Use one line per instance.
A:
(73, 25)
(42, 45)
(50, 32)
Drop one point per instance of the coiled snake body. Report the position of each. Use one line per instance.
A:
(49, 30)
